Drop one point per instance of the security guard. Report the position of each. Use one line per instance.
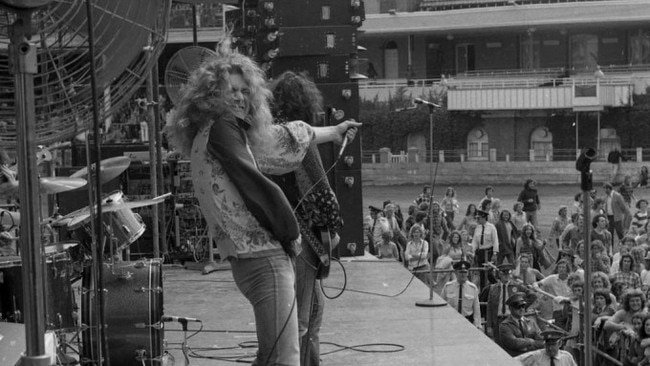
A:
(518, 334)
(551, 354)
(497, 308)
(462, 294)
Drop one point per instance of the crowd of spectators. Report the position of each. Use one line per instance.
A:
(508, 254)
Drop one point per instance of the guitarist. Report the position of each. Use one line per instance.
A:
(315, 206)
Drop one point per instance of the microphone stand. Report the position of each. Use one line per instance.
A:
(184, 344)
(431, 301)
(586, 184)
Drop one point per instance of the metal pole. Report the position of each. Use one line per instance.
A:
(431, 199)
(598, 133)
(153, 179)
(23, 66)
(586, 199)
(98, 259)
(159, 163)
(583, 164)
(431, 302)
(577, 145)
(195, 36)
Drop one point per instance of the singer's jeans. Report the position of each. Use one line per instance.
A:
(310, 306)
(268, 283)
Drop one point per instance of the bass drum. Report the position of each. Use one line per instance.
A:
(133, 299)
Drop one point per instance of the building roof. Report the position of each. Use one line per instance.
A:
(552, 16)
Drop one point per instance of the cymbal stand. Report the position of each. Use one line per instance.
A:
(62, 351)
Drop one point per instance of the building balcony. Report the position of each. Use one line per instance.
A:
(524, 90)
(578, 94)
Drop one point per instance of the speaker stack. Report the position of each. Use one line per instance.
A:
(320, 37)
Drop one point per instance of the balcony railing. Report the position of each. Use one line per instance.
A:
(638, 154)
(437, 5)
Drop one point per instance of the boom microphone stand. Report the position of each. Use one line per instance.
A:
(431, 301)
(583, 164)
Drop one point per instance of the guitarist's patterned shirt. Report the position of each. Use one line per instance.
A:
(316, 206)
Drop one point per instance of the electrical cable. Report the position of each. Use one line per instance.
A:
(345, 282)
(293, 304)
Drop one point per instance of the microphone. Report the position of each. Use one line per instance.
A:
(427, 103)
(344, 144)
(180, 319)
(406, 108)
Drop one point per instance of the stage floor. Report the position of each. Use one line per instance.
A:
(374, 322)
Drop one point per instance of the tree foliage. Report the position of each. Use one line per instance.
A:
(385, 126)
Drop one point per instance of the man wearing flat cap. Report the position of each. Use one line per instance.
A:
(462, 294)
(551, 354)
(377, 225)
(485, 243)
(519, 334)
(497, 308)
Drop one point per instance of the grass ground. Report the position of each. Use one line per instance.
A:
(551, 197)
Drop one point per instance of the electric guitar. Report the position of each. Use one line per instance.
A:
(323, 270)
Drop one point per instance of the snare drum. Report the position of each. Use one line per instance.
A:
(58, 291)
(124, 225)
(133, 311)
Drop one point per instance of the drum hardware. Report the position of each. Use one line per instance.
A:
(158, 290)
(157, 325)
(125, 275)
(140, 356)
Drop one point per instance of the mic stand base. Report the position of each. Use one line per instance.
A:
(431, 303)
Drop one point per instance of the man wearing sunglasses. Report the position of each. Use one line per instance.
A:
(519, 334)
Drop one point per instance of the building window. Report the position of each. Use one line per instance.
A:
(541, 141)
(584, 52)
(530, 53)
(477, 145)
(465, 58)
(391, 61)
(640, 48)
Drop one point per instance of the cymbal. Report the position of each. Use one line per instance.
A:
(48, 185)
(109, 169)
(51, 185)
(74, 218)
(109, 206)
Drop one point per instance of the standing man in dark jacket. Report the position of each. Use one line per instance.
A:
(508, 234)
(530, 199)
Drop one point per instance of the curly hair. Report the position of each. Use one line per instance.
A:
(416, 227)
(629, 294)
(451, 236)
(207, 95)
(604, 294)
(296, 97)
(603, 277)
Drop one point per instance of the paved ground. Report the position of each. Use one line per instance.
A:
(374, 322)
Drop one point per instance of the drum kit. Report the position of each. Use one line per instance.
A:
(132, 292)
